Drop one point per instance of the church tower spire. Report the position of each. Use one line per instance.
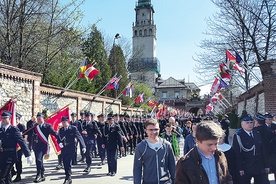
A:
(144, 66)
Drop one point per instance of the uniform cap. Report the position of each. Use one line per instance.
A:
(64, 118)
(40, 115)
(148, 116)
(6, 114)
(110, 117)
(81, 113)
(73, 114)
(18, 115)
(268, 115)
(122, 115)
(247, 118)
(100, 115)
(116, 115)
(260, 118)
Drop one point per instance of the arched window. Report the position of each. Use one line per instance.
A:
(145, 32)
(140, 32)
(150, 31)
(135, 33)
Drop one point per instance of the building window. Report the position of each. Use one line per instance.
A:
(135, 32)
(164, 94)
(140, 32)
(176, 94)
(150, 32)
(145, 32)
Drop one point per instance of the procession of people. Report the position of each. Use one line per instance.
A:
(208, 156)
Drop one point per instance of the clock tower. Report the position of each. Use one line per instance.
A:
(144, 66)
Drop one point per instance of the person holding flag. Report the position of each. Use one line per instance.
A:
(10, 136)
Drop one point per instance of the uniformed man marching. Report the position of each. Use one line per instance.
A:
(90, 132)
(112, 138)
(41, 132)
(67, 143)
(77, 124)
(10, 136)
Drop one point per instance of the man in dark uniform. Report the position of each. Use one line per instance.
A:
(67, 135)
(112, 138)
(41, 132)
(130, 134)
(91, 132)
(76, 123)
(81, 122)
(29, 134)
(136, 121)
(267, 137)
(101, 150)
(18, 163)
(121, 123)
(250, 154)
(10, 136)
(225, 123)
(272, 127)
(135, 135)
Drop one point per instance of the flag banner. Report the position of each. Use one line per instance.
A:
(152, 103)
(55, 120)
(113, 83)
(223, 71)
(6, 107)
(90, 72)
(129, 91)
(216, 86)
(238, 58)
(140, 98)
(82, 69)
(231, 62)
(223, 84)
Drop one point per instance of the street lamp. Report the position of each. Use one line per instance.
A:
(117, 36)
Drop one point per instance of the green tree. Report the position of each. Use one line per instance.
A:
(94, 50)
(140, 88)
(117, 63)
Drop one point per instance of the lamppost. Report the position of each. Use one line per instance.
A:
(117, 36)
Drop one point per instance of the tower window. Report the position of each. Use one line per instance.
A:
(145, 32)
(150, 31)
(135, 32)
(140, 32)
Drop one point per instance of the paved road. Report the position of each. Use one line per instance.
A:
(97, 174)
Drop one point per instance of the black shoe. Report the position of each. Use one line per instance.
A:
(87, 169)
(38, 179)
(101, 163)
(112, 174)
(74, 163)
(131, 153)
(58, 167)
(17, 179)
(81, 160)
(13, 172)
(67, 181)
(108, 174)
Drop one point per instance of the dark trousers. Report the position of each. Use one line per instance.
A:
(112, 160)
(101, 150)
(5, 173)
(89, 154)
(39, 161)
(18, 164)
(60, 159)
(67, 163)
(131, 144)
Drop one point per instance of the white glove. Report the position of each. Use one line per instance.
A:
(83, 150)
(60, 145)
(29, 160)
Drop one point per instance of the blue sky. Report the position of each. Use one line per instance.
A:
(180, 26)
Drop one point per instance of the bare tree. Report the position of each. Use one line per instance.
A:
(244, 26)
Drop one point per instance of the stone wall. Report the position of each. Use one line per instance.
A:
(33, 97)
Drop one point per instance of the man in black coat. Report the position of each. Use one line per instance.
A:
(10, 136)
(250, 154)
(90, 132)
(225, 123)
(41, 132)
(18, 163)
(112, 139)
(67, 135)
(101, 150)
(77, 124)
